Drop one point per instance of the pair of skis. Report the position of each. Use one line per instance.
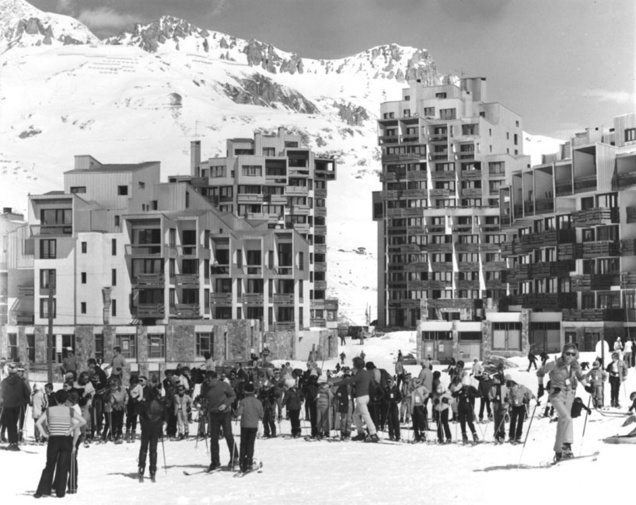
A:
(257, 469)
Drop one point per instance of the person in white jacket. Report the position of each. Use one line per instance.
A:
(39, 404)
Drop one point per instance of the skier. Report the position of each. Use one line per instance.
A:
(61, 421)
(465, 413)
(219, 398)
(15, 394)
(251, 411)
(151, 417)
(519, 397)
(485, 383)
(418, 398)
(532, 360)
(324, 398)
(393, 398)
(597, 377)
(344, 406)
(441, 401)
(182, 404)
(617, 374)
(293, 402)
(564, 373)
(498, 396)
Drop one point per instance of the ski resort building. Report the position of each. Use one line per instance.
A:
(570, 226)
(167, 273)
(446, 151)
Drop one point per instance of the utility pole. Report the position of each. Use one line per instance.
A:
(49, 337)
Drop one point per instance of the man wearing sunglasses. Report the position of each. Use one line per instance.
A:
(564, 374)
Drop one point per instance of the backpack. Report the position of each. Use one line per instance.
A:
(154, 410)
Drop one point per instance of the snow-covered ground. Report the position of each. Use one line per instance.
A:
(296, 471)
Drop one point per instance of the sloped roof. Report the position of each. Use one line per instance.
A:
(125, 167)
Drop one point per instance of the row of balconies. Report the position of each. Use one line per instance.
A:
(545, 301)
(595, 217)
(593, 282)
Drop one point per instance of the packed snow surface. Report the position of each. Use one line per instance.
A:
(354, 472)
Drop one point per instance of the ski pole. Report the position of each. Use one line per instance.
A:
(585, 424)
(163, 449)
(528, 431)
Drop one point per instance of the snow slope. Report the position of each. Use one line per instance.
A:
(332, 473)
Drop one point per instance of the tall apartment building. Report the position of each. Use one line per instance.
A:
(9, 221)
(274, 180)
(446, 151)
(571, 228)
(119, 258)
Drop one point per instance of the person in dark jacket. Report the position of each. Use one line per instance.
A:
(393, 397)
(293, 401)
(152, 412)
(485, 385)
(15, 395)
(219, 399)
(310, 391)
(465, 413)
(344, 406)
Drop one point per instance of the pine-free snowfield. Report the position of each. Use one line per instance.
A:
(354, 472)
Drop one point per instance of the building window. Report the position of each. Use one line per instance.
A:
(142, 185)
(187, 200)
(506, 336)
(630, 134)
(83, 307)
(113, 277)
(290, 143)
(47, 279)
(269, 151)
(218, 171)
(84, 247)
(113, 247)
(122, 190)
(205, 343)
(14, 351)
(156, 346)
(440, 95)
(429, 111)
(99, 347)
(83, 276)
(252, 170)
(30, 340)
(48, 248)
(447, 114)
(117, 221)
(78, 189)
(113, 308)
(44, 308)
(125, 342)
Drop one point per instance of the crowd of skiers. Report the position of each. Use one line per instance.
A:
(93, 407)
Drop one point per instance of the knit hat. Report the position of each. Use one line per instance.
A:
(249, 388)
(12, 368)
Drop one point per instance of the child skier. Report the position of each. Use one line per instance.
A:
(597, 377)
(441, 406)
(251, 411)
(293, 402)
(418, 399)
(519, 397)
(182, 404)
(39, 403)
(499, 399)
(323, 403)
(344, 402)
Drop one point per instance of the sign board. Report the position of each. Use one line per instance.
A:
(58, 344)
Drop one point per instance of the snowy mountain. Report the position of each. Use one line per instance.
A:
(22, 25)
(145, 94)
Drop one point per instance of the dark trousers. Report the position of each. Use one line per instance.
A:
(615, 386)
(150, 434)
(108, 430)
(97, 415)
(294, 417)
(466, 417)
(517, 416)
(485, 404)
(443, 428)
(393, 420)
(500, 423)
(11, 416)
(248, 438)
(73, 469)
(171, 426)
(58, 460)
(313, 417)
(269, 420)
(131, 417)
(220, 420)
(118, 423)
(419, 422)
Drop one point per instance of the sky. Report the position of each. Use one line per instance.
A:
(563, 65)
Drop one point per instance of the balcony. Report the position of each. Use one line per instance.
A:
(546, 301)
(185, 311)
(320, 285)
(441, 192)
(284, 271)
(148, 281)
(444, 175)
(24, 318)
(444, 248)
(595, 217)
(471, 175)
(320, 248)
(487, 247)
(149, 310)
(320, 211)
(622, 181)
(442, 266)
(391, 158)
(296, 191)
(474, 248)
(145, 250)
(463, 284)
(254, 270)
(628, 280)
(411, 212)
(495, 266)
(416, 267)
(602, 248)
(584, 183)
(598, 315)
(331, 304)
(468, 266)
(320, 230)
(221, 298)
(544, 205)
(218, 270)
(410, 137)
(404, 303)
(187, 280)
(416, 230)
(187, 250)
(249, 198)
(284, 326)
(320, 267)
(519, 273)
(455, 303)
(569, 251)
(438, 137)
(284, 299)
(563, 189)
(26, 291)
(471, 193)
(438, 156)
(318, 322)
(253, 299)
(51, 230)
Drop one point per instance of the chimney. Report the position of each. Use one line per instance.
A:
(195, 157)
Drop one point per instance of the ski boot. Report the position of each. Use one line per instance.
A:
(475, 438)
(566, 450)
(465, 439)
(152, 477)
(140, 474)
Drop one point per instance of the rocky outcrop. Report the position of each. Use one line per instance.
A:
(262, 91)
(353, 115)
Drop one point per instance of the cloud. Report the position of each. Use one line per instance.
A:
(472, 10)
(618, 97)
(105, 18)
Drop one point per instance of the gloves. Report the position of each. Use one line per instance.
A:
(541, 391)
(222, 407)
